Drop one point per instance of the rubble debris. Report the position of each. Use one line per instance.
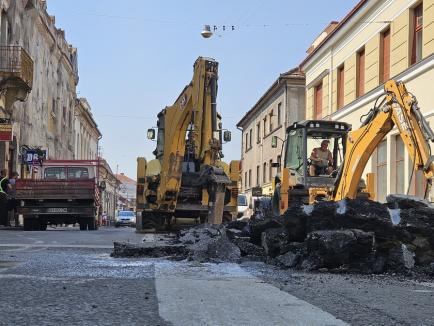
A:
(288, 260)
(124, 249)
(406, 202)
(249, 249)
(352, 235)
(335, 248)
(274, 239)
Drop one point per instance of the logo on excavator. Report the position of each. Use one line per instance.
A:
(403, 125)
(183, 102)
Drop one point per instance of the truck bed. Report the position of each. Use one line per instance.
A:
(55, 189)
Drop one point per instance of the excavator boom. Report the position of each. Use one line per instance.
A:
(399, 108)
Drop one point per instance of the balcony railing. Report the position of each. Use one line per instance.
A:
(15, 62)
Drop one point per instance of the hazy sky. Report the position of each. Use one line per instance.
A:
(136, 56)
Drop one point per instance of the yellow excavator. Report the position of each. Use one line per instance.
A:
(187, 182)
(350, 151)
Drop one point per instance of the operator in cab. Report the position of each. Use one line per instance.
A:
(322, 160)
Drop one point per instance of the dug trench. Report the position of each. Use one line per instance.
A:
(350, 236)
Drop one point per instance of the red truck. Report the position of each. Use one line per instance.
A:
(63, 192)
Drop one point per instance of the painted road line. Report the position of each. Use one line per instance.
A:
(187, 298)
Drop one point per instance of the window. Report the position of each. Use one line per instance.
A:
(258, 133)
(265, 126)
(271, 121)
(264, 173)
(55, 173)
(270, 170)
(417, 180)
(318, 102)
(416, 49)
(250, 138)
(279, 114)
(245, 179)
(341, 83)
(78, 173)
(385, 56)
(399, 166)
(361, 72)
(382, 171)
(250, 178)
(64, 115)
(257, 175)
(247, 141)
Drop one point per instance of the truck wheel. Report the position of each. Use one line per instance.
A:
(83, 225)
(91, 224)
(27, 224)
(43, 226)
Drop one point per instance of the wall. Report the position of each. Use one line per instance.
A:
(342, 48)
(46, 119)
(289, 93)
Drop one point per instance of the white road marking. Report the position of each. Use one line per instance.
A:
(225, 294)
(47, 245)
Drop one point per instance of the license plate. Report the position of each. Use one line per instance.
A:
(57, 210)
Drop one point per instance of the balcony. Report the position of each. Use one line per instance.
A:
(16, 68)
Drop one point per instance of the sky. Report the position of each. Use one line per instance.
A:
(136, 56)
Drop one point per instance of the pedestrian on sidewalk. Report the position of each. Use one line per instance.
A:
(12, 201)
(5, 187)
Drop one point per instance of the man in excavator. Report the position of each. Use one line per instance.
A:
(322, 160)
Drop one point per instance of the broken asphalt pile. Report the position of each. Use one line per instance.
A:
(347, 236)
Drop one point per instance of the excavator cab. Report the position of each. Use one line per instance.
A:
(313, 153)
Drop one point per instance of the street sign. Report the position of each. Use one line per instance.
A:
(33, 156)
(6, 132)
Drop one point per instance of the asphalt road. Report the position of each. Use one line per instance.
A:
(66, 276)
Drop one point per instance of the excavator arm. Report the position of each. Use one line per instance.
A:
(192, 108)
(399, 108)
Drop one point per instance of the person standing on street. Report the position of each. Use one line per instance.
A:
(5, 187)
(12, 203)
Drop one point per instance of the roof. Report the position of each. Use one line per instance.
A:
(294, 73)
(353, 11)
(124, 179)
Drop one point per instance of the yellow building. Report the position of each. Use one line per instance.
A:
(345, 72)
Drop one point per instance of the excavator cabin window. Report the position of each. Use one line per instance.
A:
(314, 153)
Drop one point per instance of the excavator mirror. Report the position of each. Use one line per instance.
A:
(151, 134)
(274, 142)
(227, 136)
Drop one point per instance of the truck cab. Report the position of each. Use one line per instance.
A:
(62, 192)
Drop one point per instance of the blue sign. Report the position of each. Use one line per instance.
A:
(32, 156)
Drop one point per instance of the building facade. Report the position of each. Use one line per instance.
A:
(44, 121)
(126, 193)
(281, 105)
(87, 134)
(108, 195)
(346, 71)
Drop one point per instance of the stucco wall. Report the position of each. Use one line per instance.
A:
(342, 48)
(46, 119)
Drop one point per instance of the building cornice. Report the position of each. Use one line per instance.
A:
(293, 77)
